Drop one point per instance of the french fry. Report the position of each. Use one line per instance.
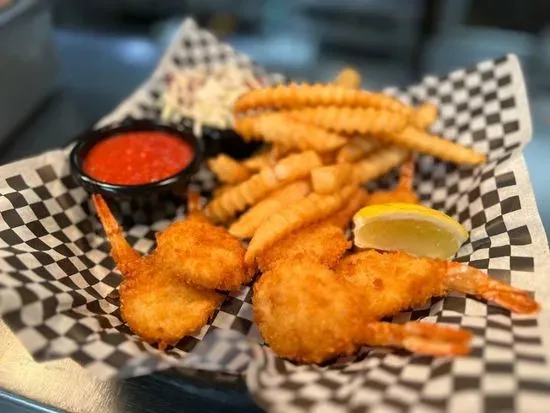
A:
(351, 120)
(247, 127)
(329, 179)
(424, 116)
(378, 163)
(356, 148)
(280, 129)
(437, 146)
(299, 96)
(220, 190)
(306, 211)
(228, 170)
(257, 187)
(247, 223)
(348, 78)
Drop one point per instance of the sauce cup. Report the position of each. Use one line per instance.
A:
(176, 183)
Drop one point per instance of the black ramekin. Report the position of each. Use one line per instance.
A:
(175, 183)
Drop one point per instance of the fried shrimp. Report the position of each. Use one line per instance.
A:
(298, 96)
(395, 281)
(311, 313)
(320, 243)
(158, 306)
(306, 313)
(202, 254)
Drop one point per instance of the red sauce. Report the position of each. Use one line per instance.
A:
(136, 158)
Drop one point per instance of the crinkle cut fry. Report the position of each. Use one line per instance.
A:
(424, 116)
(436, 146)
(379, 163)
(238, 197)
(247, 223)
(279, 128)
(348, 78)
(228, 170)
(331, 178)
(306, 211)
(356, 148)
(266, 158)
(351, 120)
(247, 127)
(297, 96)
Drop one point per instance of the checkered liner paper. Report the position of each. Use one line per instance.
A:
(58, 282)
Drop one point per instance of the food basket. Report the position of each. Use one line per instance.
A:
(58, 282)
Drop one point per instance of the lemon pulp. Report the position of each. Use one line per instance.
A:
(407, 227)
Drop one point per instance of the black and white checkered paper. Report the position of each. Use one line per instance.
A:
(58, 282)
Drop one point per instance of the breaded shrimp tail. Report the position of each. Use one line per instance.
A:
(123, 254)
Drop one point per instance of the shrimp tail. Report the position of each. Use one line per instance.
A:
(469, 280)
(123, 254)
(406, 175)
(194, 204)
(421, 338)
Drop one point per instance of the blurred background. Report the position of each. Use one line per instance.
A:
(90, 54)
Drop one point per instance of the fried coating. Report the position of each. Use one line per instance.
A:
(320, 243)
(378, 163)
(256, 188)
(403, 192)
(331, 178)
(247, 223)
(158, 306)
(161, 308)
(437, 146)
(424, 116)
(298, 96)
(392, 282)
(348, 78)
(306, 211)
(280, 129)
(395, 281)
(357, 148)
(228, 170)
(351, 120)
(202, 255)
(306, 313)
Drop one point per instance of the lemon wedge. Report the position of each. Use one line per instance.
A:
(412, 228)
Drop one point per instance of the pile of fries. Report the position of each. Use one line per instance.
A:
(323, 142)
